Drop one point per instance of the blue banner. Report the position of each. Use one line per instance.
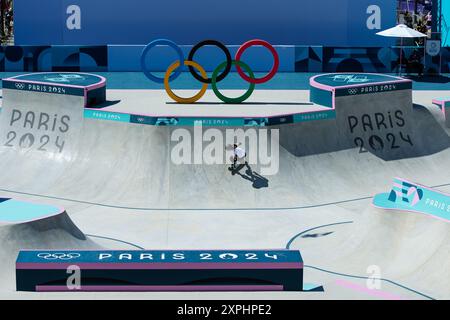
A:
(207, 122)
(445, 23)
(290, 22)
(409, 196)
(158, 256)
(51, 88)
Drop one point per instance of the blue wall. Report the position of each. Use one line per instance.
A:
(290, 22)
(126, 58)
(292, 58)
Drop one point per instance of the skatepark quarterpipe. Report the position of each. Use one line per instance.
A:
(100, 163)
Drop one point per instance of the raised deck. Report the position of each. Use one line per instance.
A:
(325, 88)
(90, 86)
(265, 107)
(154, 107)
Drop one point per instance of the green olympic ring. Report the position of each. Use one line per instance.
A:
(226, 99)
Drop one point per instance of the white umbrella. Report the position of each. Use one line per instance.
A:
(401, 31)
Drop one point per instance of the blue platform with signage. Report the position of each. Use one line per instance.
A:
(161, 270)
(352, 79)
(154, 108)
(326, 87)
(90, 86)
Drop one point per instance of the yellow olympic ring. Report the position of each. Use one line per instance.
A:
(179, 99)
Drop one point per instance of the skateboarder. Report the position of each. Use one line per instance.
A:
(239, 153)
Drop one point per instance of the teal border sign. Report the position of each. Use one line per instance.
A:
(209, 121)
(409, 196)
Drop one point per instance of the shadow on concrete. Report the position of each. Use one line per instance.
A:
(59, 222)
(317, 235)
(257, 180)
(106, 104)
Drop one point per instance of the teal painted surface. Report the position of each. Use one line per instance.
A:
(13, 211)
(407, 196)
(445, 23)
(311, 287)
(43, 88)
(349, 79)
(445, 100)
(102, 115)
(61, 78)
(216, 122)
(321, 97)
(314, 116)
(373, 88)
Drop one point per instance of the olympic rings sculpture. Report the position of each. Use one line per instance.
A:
(219, 73)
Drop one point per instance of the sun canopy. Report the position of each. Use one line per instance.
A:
(401, 31)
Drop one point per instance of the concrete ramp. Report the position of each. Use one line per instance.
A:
(125, 165)
(407, 248)
(48, 127)
(119, 178)
(386, 124)
(57, 232)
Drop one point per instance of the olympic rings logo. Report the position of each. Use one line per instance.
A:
(64, 77)
(219, 73)
(352, 91)
(58, 256)
(20, 86)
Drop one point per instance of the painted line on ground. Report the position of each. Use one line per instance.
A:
(385, 295)
(365, 278)
(306, 266)
(183, 209)
(199, 209)
(288, 245)
(114, 239)
(252, 209)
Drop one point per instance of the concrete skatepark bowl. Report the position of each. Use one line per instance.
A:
(109, 166)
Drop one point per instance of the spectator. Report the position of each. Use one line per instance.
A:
(9, 20)
(6, 21)
(414, 63)
(2, 20)
(408, 19)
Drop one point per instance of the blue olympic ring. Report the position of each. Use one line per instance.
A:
(154, 43)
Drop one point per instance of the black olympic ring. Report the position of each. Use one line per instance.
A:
(222, 47)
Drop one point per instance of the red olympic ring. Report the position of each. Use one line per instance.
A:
(276, 60)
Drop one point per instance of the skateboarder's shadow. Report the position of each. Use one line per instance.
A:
(258, 181)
